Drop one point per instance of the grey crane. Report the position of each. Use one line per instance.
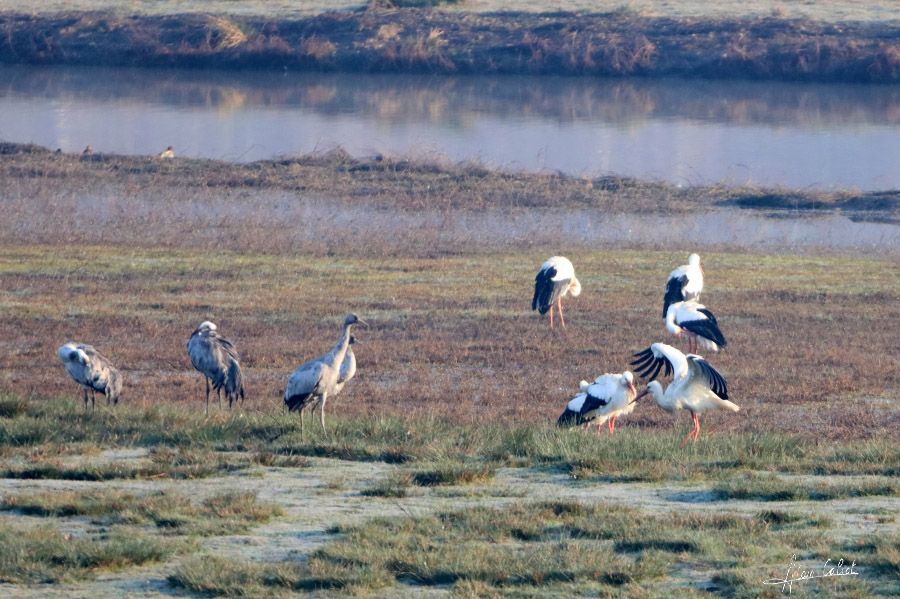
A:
(347, 371)
(218, 361)
(92, 370)
(318, 379)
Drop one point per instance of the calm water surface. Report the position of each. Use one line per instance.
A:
(796, 135)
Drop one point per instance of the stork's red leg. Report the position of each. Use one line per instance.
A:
(551, 317)
(696, 430)
(561, 319)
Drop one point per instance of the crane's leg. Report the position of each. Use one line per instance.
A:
(85, 398)
(559, 305)
(93, 399)
(207, 394)
(322, 412)
(301, 422)
(219, 396)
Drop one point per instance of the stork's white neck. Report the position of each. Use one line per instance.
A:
(661, 399)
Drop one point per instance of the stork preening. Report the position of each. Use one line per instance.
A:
(684, 283)
(697, 324)
(607, 398)
(218, 361)
(696, 386)
(93, 371)
(320, 378)
(554, 280)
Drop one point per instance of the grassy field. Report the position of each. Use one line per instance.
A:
(442, 472)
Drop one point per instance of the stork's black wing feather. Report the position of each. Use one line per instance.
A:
(708, 329)
(674, 292)
(543, 290)
(648, 366)
(715, 380)
(591, 403)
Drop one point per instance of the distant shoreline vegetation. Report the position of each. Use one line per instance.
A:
(422, 40)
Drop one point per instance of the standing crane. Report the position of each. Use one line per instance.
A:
(217, 360)
(554, 280)
(313, 382)
(684, 283)
(696, 386)
(92, 370)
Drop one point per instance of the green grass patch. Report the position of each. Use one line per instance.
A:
(164, 463)
(452, 473)
(45, 555)
(549, 547)
(184, 444)
(766, 487)
(225, 513)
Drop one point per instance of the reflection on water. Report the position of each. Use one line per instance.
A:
(797, 135)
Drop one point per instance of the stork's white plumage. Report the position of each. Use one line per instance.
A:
(607, 398)
(684, 283)
(92, 370)
(692, 320)
(554, 281)
(696, 386)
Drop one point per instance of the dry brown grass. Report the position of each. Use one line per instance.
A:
(623, 42)
(812, 339)
(442, 344)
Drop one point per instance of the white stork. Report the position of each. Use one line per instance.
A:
(684, 283)
(554, 280)
(696, 386)
(216, 358)
(607, 398)
(92, 370)
(314, 381)
(692, 320)
(167, 153)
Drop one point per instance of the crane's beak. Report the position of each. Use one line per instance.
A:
(362, 322)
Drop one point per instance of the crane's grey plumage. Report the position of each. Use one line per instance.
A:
(315, 381)
(92, 370)
(347, 372)
(218, 361)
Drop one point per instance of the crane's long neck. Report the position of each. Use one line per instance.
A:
(340, 350)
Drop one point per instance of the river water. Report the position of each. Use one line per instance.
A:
(686, 132)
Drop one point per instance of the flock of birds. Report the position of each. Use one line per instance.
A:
(696, 386)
